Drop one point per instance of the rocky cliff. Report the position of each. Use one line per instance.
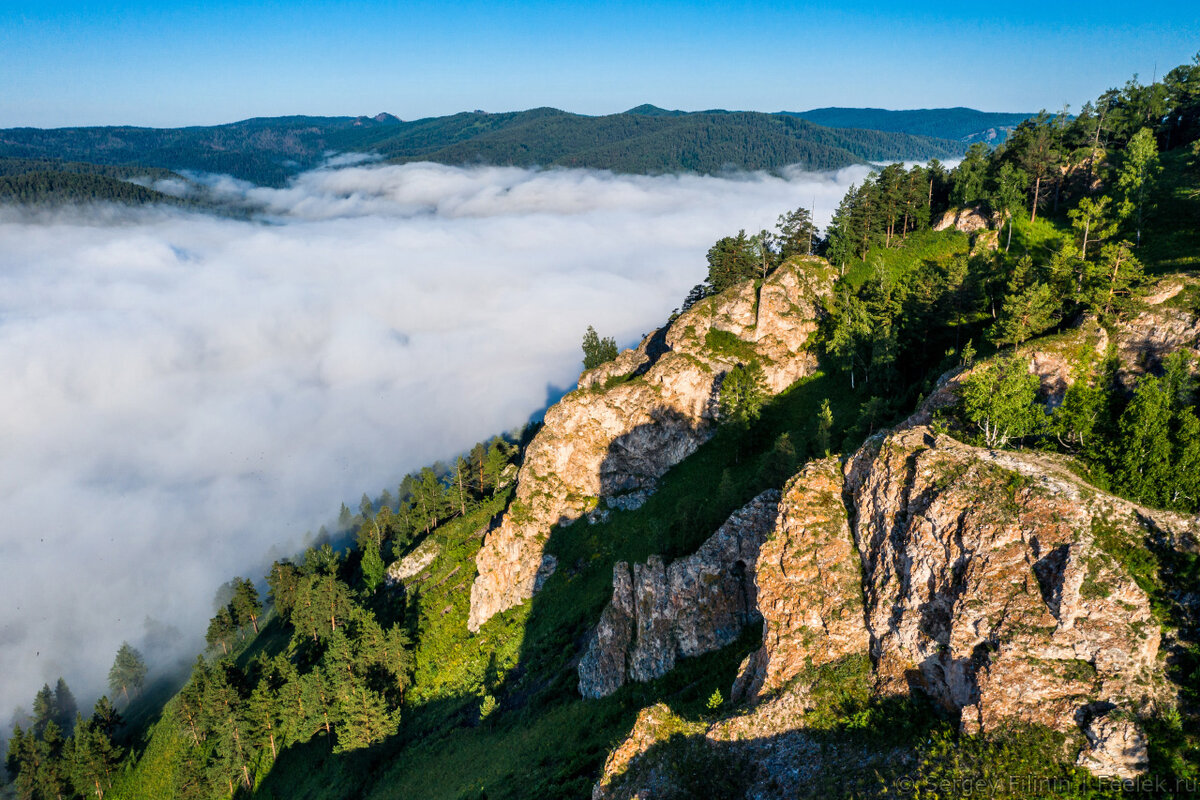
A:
(695, 605)
(606, 444)
(989, 581)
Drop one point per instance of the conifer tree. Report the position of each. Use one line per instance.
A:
(128, 671)
(743, 391)
(245, 604)
(1144, 445)
(730, 261)
(373, 568)
(597, 351)
(220, 628)
(282, 582)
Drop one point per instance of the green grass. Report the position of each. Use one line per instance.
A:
(920, 246)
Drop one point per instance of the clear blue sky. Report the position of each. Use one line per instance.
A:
(156, 62)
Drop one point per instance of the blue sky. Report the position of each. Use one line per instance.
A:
(163, 63)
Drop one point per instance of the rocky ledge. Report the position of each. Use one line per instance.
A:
(607, 443)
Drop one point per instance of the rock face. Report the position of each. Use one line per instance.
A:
(808, 582)
(1117, 748)
(660, 613)
(985, 588)
(413, 563)
(979, 578)
(631, 420)
(967, 220)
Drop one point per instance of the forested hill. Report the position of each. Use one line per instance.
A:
(644, 140)
(960, 124)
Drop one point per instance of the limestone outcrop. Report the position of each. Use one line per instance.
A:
(983, 579)
(414, 563)
(661, 613)
(606, 444)
(967, 220)
(808, 585)
(984, 585)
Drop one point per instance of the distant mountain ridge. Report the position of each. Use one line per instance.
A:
(965, 125)
(645, 139)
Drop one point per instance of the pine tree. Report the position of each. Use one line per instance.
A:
(730, 261)
(128, 671)
(743, 391)
(373, 568)
(65, 707)
(245, 604)
(597, 351)
(1115, 281)
(1143, 453)
(496, 463)
(796, 233)
(263, 709)
(1091, 223)
(220, 628)
(93, 758)
(43, 710)
(824, 429)
(282, 582)
(1025, 314)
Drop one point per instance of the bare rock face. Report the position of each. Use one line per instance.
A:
(1117, 748)
(985, 588)
(635, 418)
(413, 563)
(808, 582)
(979, 578)
(660, 613)
(967, 220)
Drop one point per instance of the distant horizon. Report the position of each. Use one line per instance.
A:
(149, 63)
(504, 111)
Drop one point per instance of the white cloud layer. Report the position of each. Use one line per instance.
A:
(183, 392)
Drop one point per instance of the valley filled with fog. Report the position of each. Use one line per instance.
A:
(186, 394)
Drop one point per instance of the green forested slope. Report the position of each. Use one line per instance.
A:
(268, 151)
(959, 124)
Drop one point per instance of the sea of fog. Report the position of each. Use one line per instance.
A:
(184, 395)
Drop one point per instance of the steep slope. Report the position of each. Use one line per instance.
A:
(606, 444)
(991, 582)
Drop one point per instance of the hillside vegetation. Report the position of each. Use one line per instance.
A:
(268, 151)
(350, 682)
(961, 124)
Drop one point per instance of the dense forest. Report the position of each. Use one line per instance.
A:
(327, 679)
(268, 151)
(961, 124)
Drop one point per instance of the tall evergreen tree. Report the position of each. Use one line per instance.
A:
(128, 671)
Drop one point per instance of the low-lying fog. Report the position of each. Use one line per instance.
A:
(185, 395)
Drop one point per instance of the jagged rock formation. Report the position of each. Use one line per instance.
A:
(808, 581)
(967, 220)
(985, 588)
(695, 605)
(980, 578)
(631, 420)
